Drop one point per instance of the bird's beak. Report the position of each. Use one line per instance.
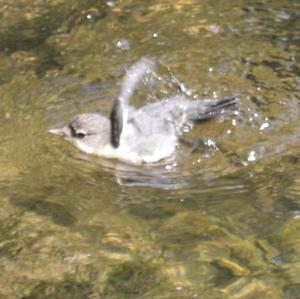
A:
(63, 132)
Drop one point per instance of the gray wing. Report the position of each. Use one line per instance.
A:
(183, 113)
(119, 113)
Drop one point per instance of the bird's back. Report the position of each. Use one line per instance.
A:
(180, 113)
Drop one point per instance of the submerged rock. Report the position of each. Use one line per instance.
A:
(132, 279)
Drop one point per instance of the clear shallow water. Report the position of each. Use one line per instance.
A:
(223, 222)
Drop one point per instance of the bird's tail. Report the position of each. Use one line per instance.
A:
(218, 108)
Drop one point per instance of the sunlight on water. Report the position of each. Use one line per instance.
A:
(221, 219)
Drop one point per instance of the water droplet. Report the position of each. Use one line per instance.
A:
(211, 143)
(251, 156)
(110, 3)
(123, 44)
(264, 126)
(171, 166)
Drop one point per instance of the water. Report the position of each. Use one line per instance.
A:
(221, 221)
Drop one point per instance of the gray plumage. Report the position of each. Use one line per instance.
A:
(148, 134)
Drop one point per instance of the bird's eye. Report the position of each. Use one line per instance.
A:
(80, 135)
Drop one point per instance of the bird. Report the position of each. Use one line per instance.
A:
(140, 135)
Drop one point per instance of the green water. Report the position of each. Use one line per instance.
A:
(222, 222)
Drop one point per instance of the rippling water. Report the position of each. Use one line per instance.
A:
(220, 221)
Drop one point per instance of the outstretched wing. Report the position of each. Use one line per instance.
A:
(119, 114)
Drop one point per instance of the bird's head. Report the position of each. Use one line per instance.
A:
(88, 132)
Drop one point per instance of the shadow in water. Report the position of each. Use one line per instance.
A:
(57, 212)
